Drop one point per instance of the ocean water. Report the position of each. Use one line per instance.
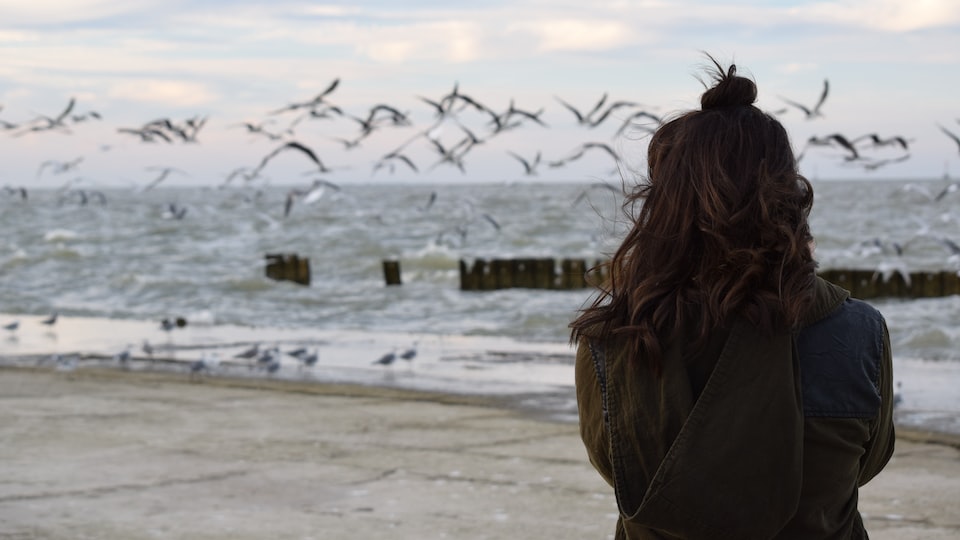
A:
(130, 259)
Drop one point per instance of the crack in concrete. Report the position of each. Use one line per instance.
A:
(104, 490)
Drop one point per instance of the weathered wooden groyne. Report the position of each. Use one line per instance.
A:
(529, 273)
(873, 284)
(546, 273)
(288, 267)
(568, 274)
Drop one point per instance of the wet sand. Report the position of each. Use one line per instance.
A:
(112, 454)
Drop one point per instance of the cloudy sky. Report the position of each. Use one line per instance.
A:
(893, 69)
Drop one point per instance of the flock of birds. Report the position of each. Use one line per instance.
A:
(473, 122)
(265, 359)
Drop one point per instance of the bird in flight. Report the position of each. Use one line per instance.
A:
(308, 196)
(578, 153)
(164, 173)
(313, 103)
(952, 135)
(584, 119)
(814, 112)
(829, 140)
(530, 167)
(286, 146)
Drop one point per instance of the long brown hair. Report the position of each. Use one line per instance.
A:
(721, 229)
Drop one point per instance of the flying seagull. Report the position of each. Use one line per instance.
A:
(952, 135)
(309, 195)
(291, 145)
(815, 111)
(530, 167)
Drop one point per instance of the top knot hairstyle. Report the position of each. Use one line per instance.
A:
(729, 91)
(721, 229)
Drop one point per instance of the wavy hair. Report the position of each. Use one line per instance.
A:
(721, 230)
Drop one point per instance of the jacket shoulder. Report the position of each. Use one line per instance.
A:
(840, 362)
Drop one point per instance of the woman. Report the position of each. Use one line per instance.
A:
(724, 390)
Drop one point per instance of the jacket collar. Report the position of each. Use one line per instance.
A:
(827, 297)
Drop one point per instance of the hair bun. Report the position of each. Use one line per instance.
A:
(729, 90)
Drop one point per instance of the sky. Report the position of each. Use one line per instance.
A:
(893, 69)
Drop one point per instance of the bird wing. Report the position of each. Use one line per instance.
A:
(606, 148)
(328, 91)
(603, 99)
(572, 109)
(526, 164)
(823, 95)
(950, 134)
(803, 108)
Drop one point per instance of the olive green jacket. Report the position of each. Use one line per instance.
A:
(752, 436)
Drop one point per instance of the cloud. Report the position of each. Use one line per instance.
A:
(163, 92)
(53, 12)
(795, 67)
(448, 41)
(573, 35)
(885, 15)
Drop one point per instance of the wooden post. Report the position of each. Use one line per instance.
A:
(288, 268)
(502, 270)
(950, 283)
(544, 273)
(391, 272)
(924, 285)
(893, 285)
(573, 274)
(488, 279)
(467, 280)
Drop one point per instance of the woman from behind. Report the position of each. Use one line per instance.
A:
(724, 390)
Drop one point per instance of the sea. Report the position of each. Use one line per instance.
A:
(113, 263)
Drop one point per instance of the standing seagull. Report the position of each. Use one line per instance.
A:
(387, 359)
(51, 320)
(815, 111)
(249, 353)
(410, 353)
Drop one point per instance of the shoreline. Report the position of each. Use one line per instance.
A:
(535, 376)
(113, 454)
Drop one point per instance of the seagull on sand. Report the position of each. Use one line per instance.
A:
(309, 359)
(51, 320)
(387, 359)
(205, 364)
(410, 353)
(123, 356)
(249, 353)
(814, 112)
(12, 326)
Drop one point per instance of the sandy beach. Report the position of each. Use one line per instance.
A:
(113, 454)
